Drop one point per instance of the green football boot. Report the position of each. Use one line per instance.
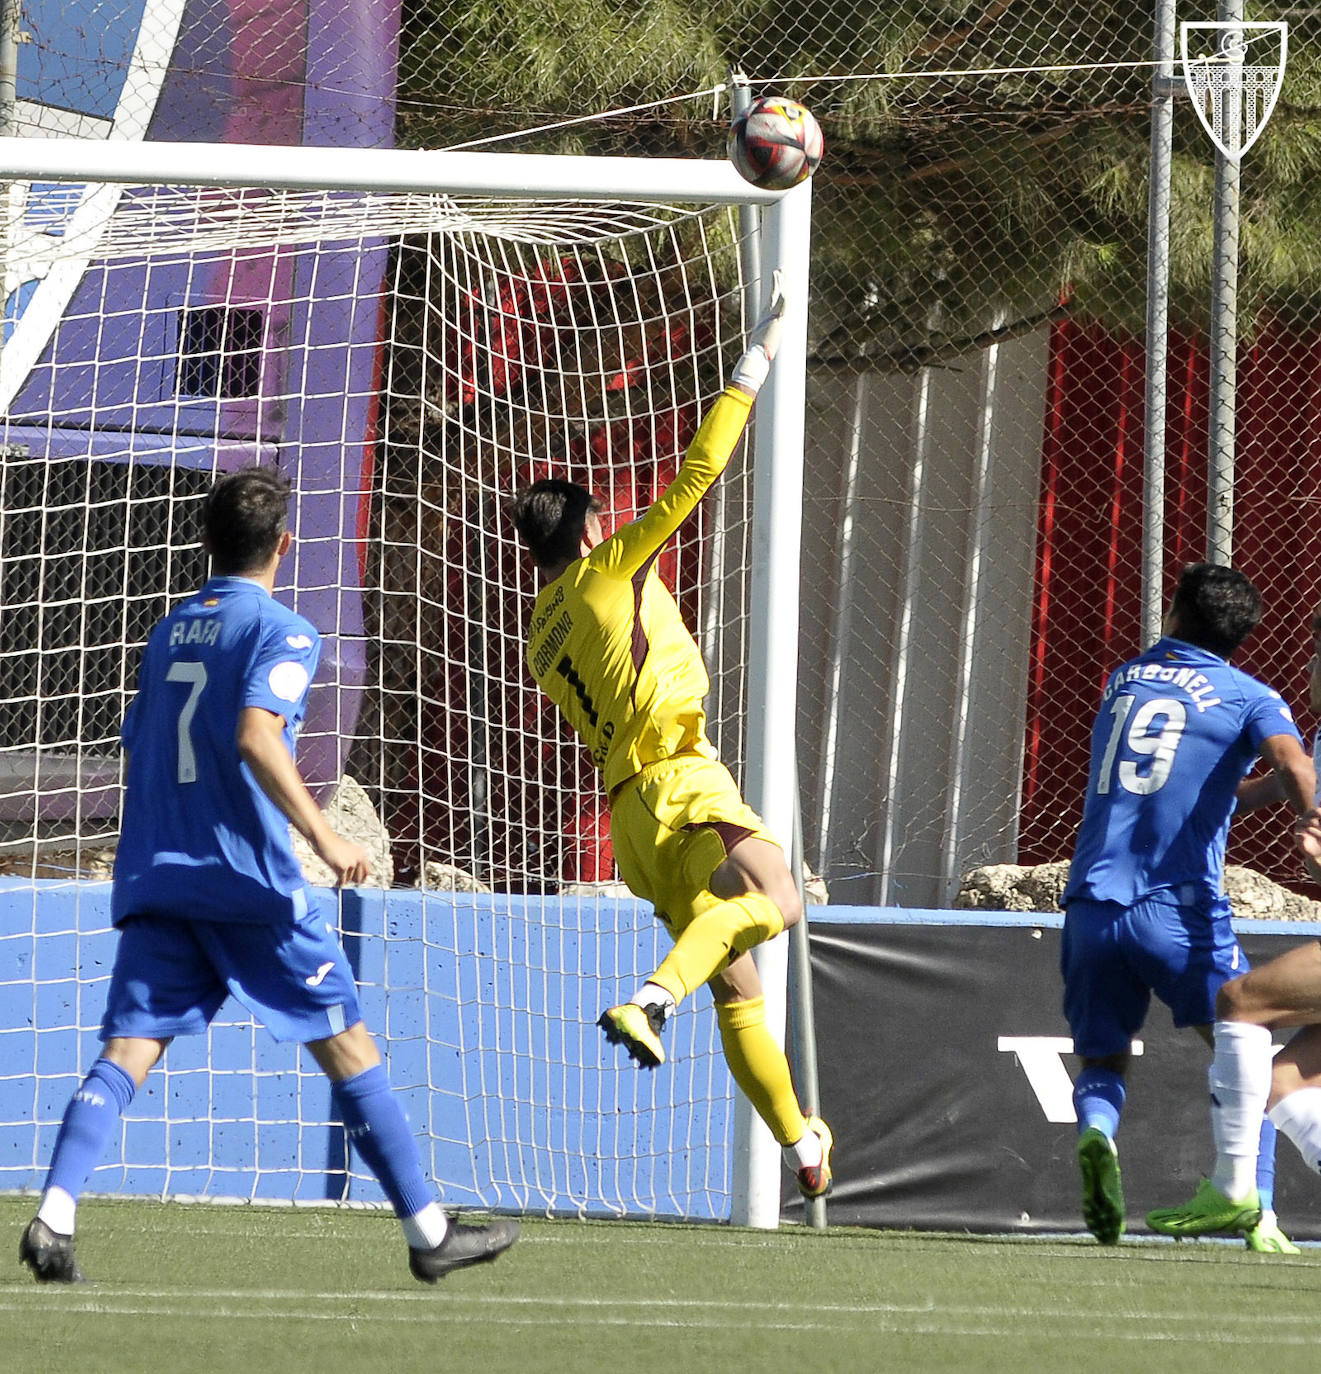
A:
(1209, 1212)
(1266, 1238)
(1102, 1187)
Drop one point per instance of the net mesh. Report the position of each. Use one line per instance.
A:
(973, 498)
(576, 340)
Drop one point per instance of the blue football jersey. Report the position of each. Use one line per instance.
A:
(1177, 731)
(198, 836)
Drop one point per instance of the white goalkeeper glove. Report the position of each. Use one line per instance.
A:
(754, 366)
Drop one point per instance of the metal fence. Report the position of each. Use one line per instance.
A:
(974, 504)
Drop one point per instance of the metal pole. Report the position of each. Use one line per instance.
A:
(11, 15)
(806, 1075)
(1224, 328)
(1158, 319)
(749, 255)
(749, 220)
(771, 770)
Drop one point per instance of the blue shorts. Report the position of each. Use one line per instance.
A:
(171, 977)
(1114, 957)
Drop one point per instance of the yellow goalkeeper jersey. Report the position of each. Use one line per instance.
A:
(608, 645)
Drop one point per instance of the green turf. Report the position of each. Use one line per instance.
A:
(251, 1289)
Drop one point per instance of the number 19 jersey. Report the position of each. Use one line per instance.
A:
(1177, 731)
(199, 838)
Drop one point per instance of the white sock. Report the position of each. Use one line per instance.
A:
(425, 1229)
(1240, 1083)
(805, 1153)
(1299, 1117)
(653, 995)
(57, 1211)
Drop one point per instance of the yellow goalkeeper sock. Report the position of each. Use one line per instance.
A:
(715, 938)
(760, 1068)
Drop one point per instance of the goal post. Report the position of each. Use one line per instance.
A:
(524, 176)
(307, 226)
(770, 771)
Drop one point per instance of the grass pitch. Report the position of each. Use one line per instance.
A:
(252, 1289)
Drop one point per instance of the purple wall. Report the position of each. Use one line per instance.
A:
(288, 72)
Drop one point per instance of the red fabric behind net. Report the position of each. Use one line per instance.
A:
(1087, 611)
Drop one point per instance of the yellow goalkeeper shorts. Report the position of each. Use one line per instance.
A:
(672, 825)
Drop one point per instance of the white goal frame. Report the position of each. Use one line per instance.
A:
(770, 774)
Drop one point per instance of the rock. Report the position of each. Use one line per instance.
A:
(815, 891)
(994, 887)
(1014, 887)
(1256, 898)
(1043, 886)
(94, 863)
(352, 815)
(438, 877)
(606, 889)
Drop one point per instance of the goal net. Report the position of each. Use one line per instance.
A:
(408, 358)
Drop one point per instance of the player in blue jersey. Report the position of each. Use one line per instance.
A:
(1177, 732)
(1247, 1075)
(208, 896)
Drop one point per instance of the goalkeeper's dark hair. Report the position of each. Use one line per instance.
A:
(1217, 607)
(550, 517)
(243, 517)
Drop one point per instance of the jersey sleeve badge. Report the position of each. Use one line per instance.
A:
(288, 680)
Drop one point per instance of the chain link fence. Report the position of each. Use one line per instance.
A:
(974, 499)
(973, 506)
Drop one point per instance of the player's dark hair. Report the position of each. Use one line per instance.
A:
(550, 517)
(1217, 607)
(243, 517)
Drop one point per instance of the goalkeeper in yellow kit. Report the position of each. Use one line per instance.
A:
(608, 646)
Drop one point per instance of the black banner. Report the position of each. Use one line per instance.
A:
(943, 1059)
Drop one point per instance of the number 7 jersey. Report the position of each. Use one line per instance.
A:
(199, 838)
(1177, 731)
(607, 643)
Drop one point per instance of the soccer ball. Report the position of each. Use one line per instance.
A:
(776, 144)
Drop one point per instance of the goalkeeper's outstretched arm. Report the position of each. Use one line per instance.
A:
(556, 518)
(630, 547)
(752, 369)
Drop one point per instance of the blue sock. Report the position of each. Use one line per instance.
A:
(1098, 1098)
(378, 1130)
(1266, 1165)
(89, 1121)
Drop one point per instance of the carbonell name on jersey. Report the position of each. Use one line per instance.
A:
(1198, 686)
(197, 631)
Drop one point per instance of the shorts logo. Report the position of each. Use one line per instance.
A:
(316, 979)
